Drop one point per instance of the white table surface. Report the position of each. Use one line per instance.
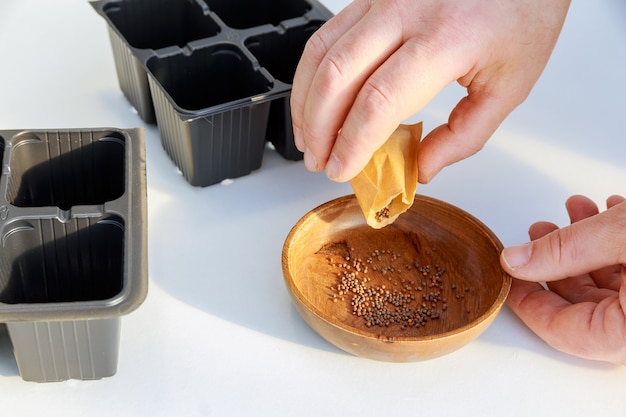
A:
(219, 337)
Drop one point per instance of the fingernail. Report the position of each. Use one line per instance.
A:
(333, 167)
(309, 160)
(516, 256)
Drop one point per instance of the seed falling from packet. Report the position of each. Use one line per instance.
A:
(385, 188)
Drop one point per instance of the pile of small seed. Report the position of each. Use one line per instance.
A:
(382, 214)
(407, 294)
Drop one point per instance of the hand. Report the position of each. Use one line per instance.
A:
(582, 313)
(378, 62)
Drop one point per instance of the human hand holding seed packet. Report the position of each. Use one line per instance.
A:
(378, 62)
(385, 188)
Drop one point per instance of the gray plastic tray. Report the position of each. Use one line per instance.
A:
(73, 230)
(215, 75)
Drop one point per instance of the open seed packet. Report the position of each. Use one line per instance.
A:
(386, 186)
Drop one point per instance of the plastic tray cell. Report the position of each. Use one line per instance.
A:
(150, 25)
(226, 142)
(208, 77)
(66, 169)
(215, 75)
(74, 247)
(155, 24)
(53, 261)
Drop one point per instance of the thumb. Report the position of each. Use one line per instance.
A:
(584, 246)
(470, 125)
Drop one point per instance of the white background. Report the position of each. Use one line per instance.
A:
(218, 336)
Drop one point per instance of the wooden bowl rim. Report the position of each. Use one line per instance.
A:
(350, 198)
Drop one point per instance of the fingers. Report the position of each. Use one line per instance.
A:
(579, 288)
(588, 330)
(347, 61)
(540, 229)
(471, 124)
(404, 83)
(367, 80)
(314, 52)
(576, 315)
(614, 200)
(594, 286)
(589, 244)
(379, 62)
(584, 287)
(578, 208)
(535, 306)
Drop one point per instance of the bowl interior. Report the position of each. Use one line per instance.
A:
(433, 273)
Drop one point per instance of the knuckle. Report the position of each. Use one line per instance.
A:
(314, 140)
(348, 146)
(332, 61)
(375, 99)
(333, 71)
(317, 141)
(561, 246)
(316, 46)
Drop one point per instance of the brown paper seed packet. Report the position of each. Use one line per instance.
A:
(386, 187)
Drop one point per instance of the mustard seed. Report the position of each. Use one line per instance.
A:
(379, 306)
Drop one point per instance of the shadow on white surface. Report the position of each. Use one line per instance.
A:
(233, 269)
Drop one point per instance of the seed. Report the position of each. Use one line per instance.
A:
(382, 214)
(379, 306)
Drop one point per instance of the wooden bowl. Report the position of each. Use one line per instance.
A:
(417, 289)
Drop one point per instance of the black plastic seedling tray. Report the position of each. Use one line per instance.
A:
(73, 230)
(215, 75)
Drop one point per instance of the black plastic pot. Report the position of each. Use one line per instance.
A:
(215, 75)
